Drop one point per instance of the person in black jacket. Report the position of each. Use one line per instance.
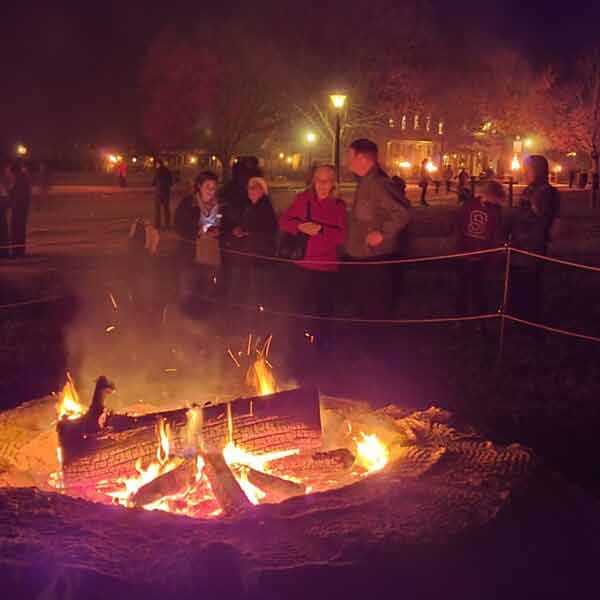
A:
(253, 233)
(197, 222)
(20, 201)
(163, 180)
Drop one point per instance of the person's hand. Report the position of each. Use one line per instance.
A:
(309, 228)
(374, 239)
(238, 232)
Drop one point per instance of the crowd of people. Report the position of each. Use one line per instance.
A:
(227, 236)
(15, 202)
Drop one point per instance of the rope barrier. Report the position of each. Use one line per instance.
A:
(559, 261)
(566, 332)
(43, 300)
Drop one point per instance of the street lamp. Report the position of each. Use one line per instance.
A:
(311, 138)
(21, 150)
(338, 101)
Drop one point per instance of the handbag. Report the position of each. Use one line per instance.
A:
(293, 245)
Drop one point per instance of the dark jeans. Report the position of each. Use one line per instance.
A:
(18, 229)
(424, 187)
(315, 294)
(525, 292)
(162, 208)
(471, 298)
(448, 185)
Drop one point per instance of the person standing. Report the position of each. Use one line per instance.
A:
(572, 177)
(6, 183)
(448, 176)
(254, 234)
(424, 181)
(316, 276)
(534, 225)
(20, 202)
(479, 228)
(376, 220)
(163, 181)
(122, 173)
(197, 222)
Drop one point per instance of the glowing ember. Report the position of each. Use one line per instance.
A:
(69, 407)
(371, 453)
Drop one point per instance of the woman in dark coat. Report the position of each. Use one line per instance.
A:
(197, 222)
(253, 233)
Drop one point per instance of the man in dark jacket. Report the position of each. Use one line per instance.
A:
(533, 226)
(163, 180)
(20, 201)
(376, 220)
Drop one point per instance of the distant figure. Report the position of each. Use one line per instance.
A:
(583, 179)
(122, 173)
(448, 176)
(163, 181)
(424, 181)
(479, 228)
(533, 226)
(377, 218)
(324, 223)
(198, 223)
(20, 202)
(572, 177)
(6, 184)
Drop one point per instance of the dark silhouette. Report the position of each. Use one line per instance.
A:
(20, 202)
(163, 181)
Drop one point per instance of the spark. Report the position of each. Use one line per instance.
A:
(233, 358)
(110, 328)
(170, 370)
(249, 344)
(113, 301)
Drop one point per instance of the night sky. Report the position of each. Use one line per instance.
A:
(71, 70)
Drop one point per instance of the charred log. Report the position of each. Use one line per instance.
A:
(280, 421)
(178, 480)
(225, 487)
(324, 463)
(276, 488)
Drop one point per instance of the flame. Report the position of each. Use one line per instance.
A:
(371, 453)
(69, 407)
(260, 377)
(163, 449)
(235, 455)
(193, 430)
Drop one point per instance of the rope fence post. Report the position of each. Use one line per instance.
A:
(502, 309)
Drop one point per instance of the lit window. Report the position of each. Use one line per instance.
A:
(416, 122)
(428, 123)
(441, 128)
(403, 122)
(392, 123)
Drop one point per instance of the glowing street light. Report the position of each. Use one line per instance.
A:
(288, 160)
(281, 155)
(528, 143)
(558, 169)
(515, 165)
(193, 160)
(404, 164)
(22, 150)
(430, 167)
(338, 101)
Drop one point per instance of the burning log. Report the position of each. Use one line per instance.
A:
(326, 464)
(280, 421)
(179, 479)
(276, 488)
(225, 487)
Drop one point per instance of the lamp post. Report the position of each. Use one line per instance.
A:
(311, 138)
(338, 101)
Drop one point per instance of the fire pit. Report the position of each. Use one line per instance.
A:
(290, 494)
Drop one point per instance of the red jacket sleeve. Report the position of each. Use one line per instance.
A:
(294, 215)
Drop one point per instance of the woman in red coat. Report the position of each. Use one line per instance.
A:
(316, 278)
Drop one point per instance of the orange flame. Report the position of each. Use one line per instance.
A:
(260, 377)
(69, 407)
(371, 453)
